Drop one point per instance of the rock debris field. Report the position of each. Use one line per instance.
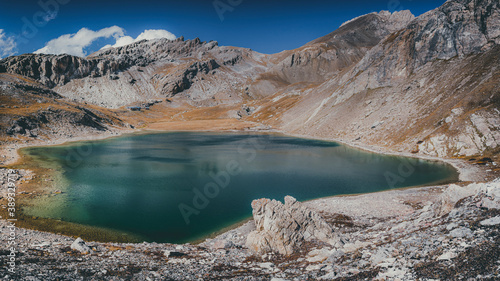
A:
(446, 232)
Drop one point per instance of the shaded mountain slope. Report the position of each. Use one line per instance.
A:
(29, 110)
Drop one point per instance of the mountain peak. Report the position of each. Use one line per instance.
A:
(368, 28)
(399, 19)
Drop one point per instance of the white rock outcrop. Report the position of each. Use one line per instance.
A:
(455, 193)
(282, 228)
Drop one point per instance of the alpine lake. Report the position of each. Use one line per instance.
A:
(180, 187)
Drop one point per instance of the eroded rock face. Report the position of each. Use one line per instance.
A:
(457, 28)
(430, 81)
(54, 70)
(183, 78)
(282, 228)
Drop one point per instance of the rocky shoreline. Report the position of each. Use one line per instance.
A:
(467, 171)
(400, 234)
(387, 235)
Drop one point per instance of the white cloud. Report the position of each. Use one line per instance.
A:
(7, 45)
(155, 34)
(74, 44)
(147, 34)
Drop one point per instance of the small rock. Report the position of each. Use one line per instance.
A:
(491, 221)
(80, 246)
(335, 256)
(172, 254)
(222, 244)
(447, 256)
(266, 265)
(451, 226)
(319, 255)
(461, 232)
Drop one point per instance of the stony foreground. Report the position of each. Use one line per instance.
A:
(447, 232)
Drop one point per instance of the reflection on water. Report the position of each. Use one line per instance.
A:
(177, 187)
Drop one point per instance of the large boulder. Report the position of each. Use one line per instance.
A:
(487, 194)
(450, 197)
(283, 228)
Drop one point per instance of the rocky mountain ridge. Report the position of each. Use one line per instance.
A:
(327, 56)
(58, 70)
(164, 68)
(137, 72)
(426, 85)
(428, 88)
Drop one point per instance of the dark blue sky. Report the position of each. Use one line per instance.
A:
(264, 26)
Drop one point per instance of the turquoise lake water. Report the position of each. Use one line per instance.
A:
(179, 187)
